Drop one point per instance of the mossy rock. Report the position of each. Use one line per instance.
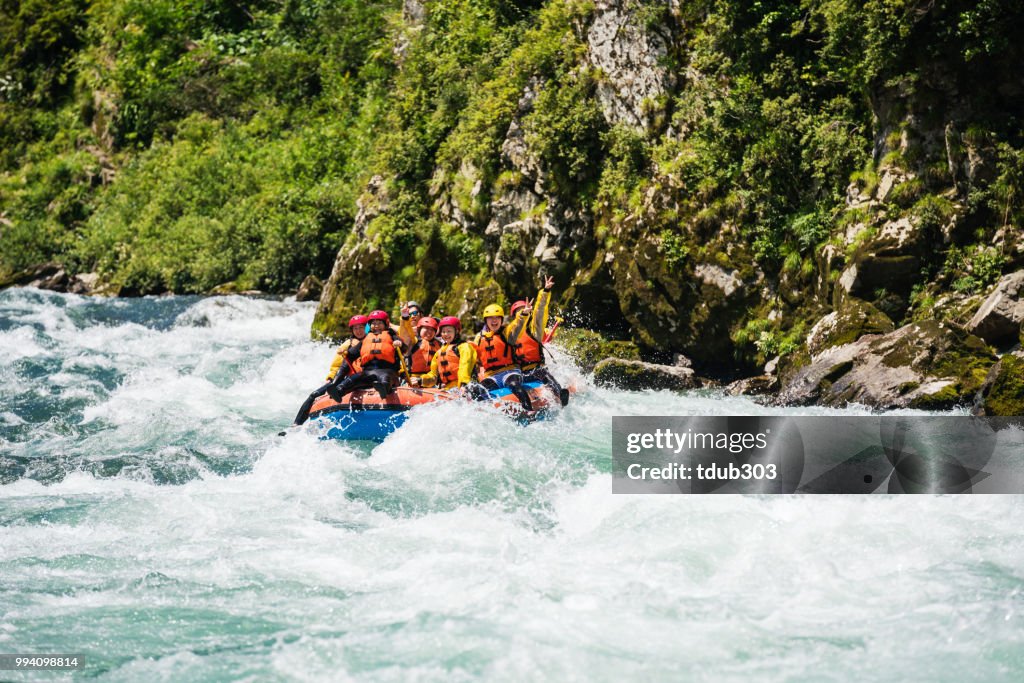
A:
(588, 348)
(635, 375)
(854, 319)
(1004, 393)
(944, 399)
(925, 365)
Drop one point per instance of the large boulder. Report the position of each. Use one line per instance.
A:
(753, 386)
(637, 375)
(310, 289)
(922, 365)
(588, 348)
(999, 319)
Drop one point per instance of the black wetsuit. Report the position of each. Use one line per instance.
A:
(378, 374)
(351, 356)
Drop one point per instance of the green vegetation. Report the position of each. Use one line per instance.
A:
(181, 145)
(1006, 395)
(193, 144)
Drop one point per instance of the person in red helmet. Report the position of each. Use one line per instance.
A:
(454, 364)
(422, 352)
(380, 361)
(357, 324)
(526, 334)
(346, 356)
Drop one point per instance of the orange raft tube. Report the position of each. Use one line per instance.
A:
(364, 416)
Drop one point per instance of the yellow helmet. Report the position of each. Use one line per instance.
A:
(494, 309)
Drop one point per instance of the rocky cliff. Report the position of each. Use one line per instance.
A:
(831, 184)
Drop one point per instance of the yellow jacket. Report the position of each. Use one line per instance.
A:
(534, 324)
(467, 364)
(405, 332)
(339, 357)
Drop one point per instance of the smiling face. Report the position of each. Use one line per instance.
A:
(358, 331)
(427, 333)
(493, 322)
(448, 333)
(376, 326)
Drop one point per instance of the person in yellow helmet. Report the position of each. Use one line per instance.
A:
(499, 365)
(526, 333)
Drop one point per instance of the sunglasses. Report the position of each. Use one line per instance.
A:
(416, 312)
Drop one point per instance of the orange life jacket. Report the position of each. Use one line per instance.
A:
(494, 353)
(420, 355)
(529, 350)
(448, 365)
(378, 347)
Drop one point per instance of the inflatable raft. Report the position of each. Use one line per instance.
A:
(365, 416)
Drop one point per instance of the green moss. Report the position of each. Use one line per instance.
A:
(943, 399)
(639, 376)
(1005, 397)
(588, 348)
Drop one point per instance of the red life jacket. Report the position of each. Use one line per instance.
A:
(448, 365)
(378, 347)
(420, 354)
(494, 353)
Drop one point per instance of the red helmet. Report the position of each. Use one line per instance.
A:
(380, 315)
(516, 306)
(427, 321)
(452, 321)
(358, 320)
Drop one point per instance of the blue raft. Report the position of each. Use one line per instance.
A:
(364, 416)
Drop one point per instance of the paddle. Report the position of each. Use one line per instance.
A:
(550, 334)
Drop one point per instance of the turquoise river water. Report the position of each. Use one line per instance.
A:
(151, 520)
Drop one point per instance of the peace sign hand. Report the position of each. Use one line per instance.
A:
(549, 282)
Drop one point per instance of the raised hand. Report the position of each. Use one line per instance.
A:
(549, 282)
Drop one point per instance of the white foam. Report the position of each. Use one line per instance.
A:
(464, 546)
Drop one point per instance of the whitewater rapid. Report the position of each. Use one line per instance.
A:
(151, 519)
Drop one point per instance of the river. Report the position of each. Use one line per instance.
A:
(151, 519)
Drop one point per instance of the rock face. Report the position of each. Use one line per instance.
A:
(631, 58)
(653, 246)
(355, 275)
(637, 375)
(1000, 317)
(922, 365)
